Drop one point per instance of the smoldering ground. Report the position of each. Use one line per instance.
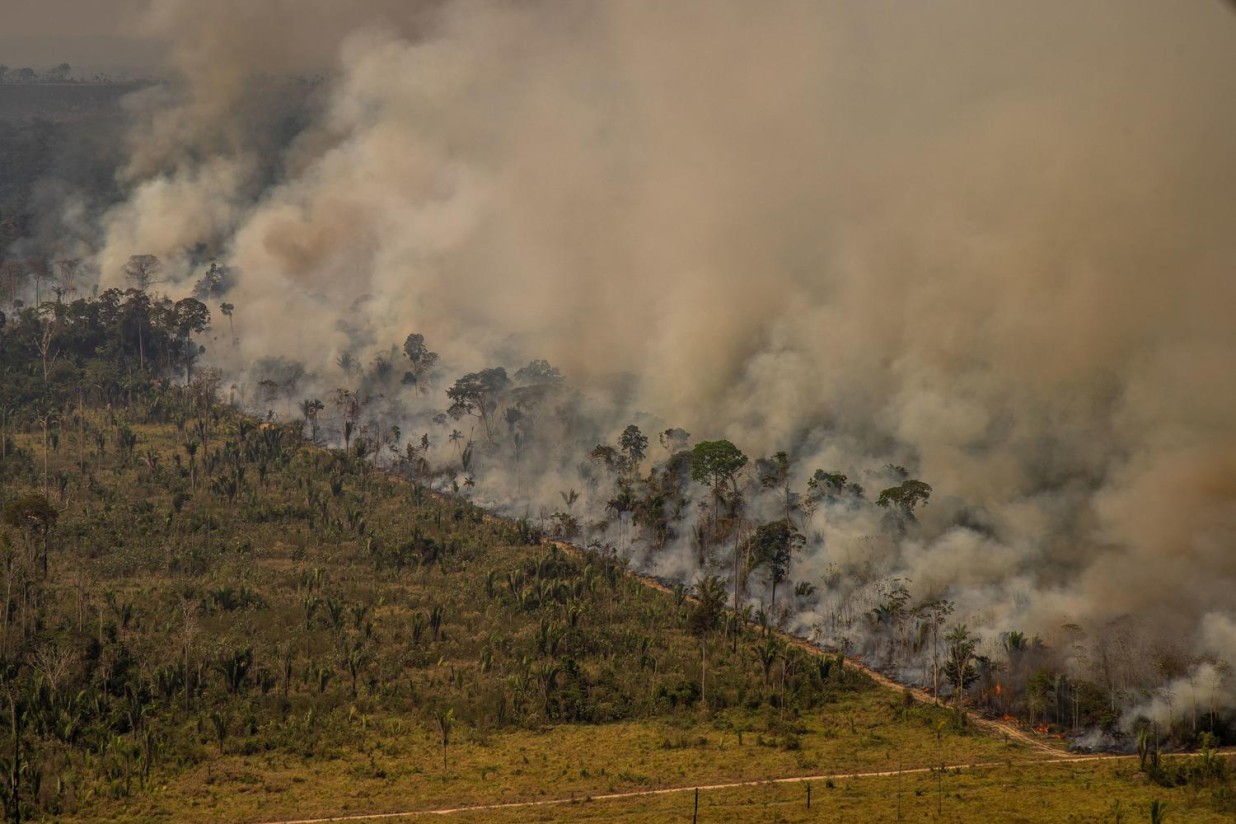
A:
(989, 242)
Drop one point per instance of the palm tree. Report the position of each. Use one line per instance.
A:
(309, 409)
(355, 662)
(622, 505)
(220, 725)
(710, 603)
(444, 718)
(767, 654)
(546, 676)
(1015, 646)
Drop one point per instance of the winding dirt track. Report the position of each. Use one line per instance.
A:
(732, 785)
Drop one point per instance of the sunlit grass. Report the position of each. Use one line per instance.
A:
(392, 765)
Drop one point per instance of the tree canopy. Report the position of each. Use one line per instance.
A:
(477, 393)
(905, 497)
(715, 463)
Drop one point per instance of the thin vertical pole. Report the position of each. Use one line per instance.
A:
(899, 785)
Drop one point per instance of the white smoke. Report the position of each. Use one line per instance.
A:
(989, 242)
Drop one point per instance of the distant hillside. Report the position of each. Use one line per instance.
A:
(62, 102)
(114, 56)
(62, 144)
(56, 139)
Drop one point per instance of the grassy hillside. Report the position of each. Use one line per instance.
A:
(205, 590)
(236, 626)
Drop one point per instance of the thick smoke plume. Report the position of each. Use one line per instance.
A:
(990, 242)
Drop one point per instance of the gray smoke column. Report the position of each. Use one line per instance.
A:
(990, 241)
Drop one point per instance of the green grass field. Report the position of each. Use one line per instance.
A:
(1083, 792)
(385, 764)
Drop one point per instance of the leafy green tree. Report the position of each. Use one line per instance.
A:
(716, 464)
(772, 547)
(538, 373)
(606, 456)
(634, 445)
(774, 473)
(532, 386)
(903, 499)
(477, 394)
(188, 316)
(137, 306)
(831, 486)
(421, 362)
(959, 666)
(934, 613)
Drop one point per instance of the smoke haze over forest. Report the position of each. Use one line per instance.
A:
(989, 242)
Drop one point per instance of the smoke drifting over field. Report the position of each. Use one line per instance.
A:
(991, 242)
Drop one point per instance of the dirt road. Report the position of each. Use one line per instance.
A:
(732, 785)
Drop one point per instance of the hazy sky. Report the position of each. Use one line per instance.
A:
(99, 33)
(44, 18)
